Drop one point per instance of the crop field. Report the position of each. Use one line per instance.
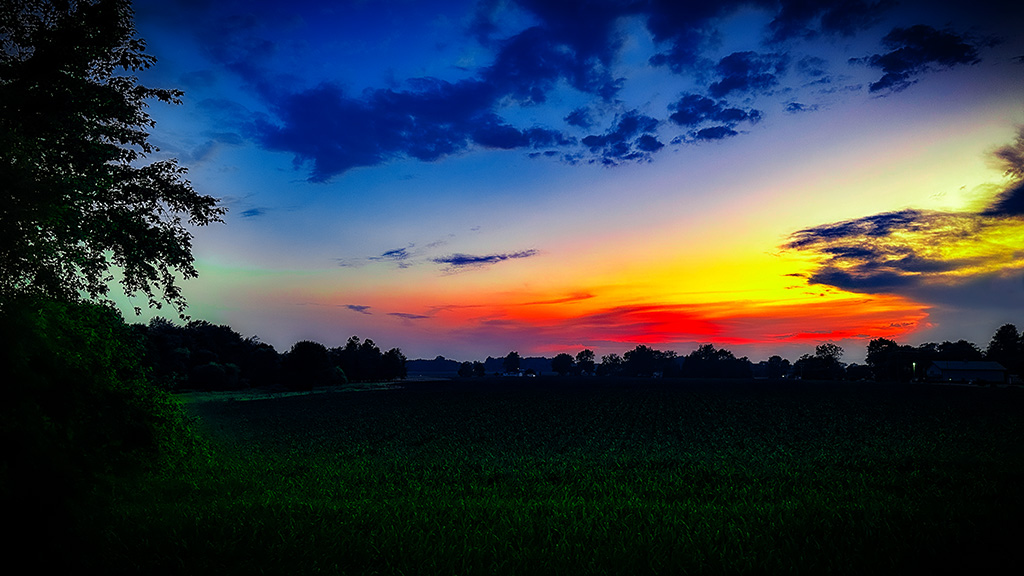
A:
(588, 476)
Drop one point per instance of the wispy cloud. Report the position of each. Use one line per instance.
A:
(457, 261)
(406, 316)
(358, 308)
(253, 212)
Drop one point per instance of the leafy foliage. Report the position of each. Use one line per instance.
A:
(78, 407)
(562, 363)
(708, 362)
(511, 362)
(1007, 348)
(307, 365)
(75, 196)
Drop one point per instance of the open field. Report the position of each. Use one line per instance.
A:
(555, 475)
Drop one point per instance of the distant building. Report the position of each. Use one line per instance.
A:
(966, 371)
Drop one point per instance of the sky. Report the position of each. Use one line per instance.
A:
(468, 178)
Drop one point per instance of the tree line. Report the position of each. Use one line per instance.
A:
(204, 356)
(885, 361)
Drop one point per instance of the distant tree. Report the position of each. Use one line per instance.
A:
(585, 361)
(393, 365)
(888, 360)
(640, 361)
(478, 369)
(708, 362)
(562, 363)
(307, 365)
(511, 362)
(611, 365)
(371, 361)
(778, 367)
(646, 361)
(958, 351)
(829, 351)
(347, 357)
(1007, 348)
(262, 364)
(465, 369)
(824, 364)
(859, 372)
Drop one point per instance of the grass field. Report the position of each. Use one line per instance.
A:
(563, 476)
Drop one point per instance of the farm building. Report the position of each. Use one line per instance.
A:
(966, 371)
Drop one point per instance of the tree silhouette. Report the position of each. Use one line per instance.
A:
(77, 197)
(1007, 348)
(393, 365)
(611, 365)
(886, 359)
(585, 361)
(511, 362)
(307, 365)
(708, 362)
(777, 367)
(562, 363)
(824, 364)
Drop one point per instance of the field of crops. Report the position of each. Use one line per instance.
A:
(562, 476)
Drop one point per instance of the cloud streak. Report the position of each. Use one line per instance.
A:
(461, 261)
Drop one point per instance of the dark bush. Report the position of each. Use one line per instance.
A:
(78, 409)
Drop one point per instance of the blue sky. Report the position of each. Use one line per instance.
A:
(469, 178)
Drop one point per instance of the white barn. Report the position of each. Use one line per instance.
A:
(966, 371)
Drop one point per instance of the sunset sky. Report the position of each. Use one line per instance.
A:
(469, 178)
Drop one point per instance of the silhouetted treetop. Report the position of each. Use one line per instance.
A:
(76, 197)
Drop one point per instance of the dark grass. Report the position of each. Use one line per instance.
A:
(587, 476)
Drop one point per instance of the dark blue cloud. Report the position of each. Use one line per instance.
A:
(329, 130)
(431, 120)
(684, 27)
(861, 280)
(399, 256)
(874, 226)
(747, 72)
(896, 251)
(808, 18)
(358, 308)
(694, 109)
(713, 133)
(469, 260)
(406, 316)
(579, 117)
(586, 33)
(812, 67)
(797, 107)
(890, 252)
(253, 212)
(1009, 202)
(914, 51)
(631, 138)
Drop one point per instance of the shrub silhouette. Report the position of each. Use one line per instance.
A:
(78, 408)
(307, 365)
